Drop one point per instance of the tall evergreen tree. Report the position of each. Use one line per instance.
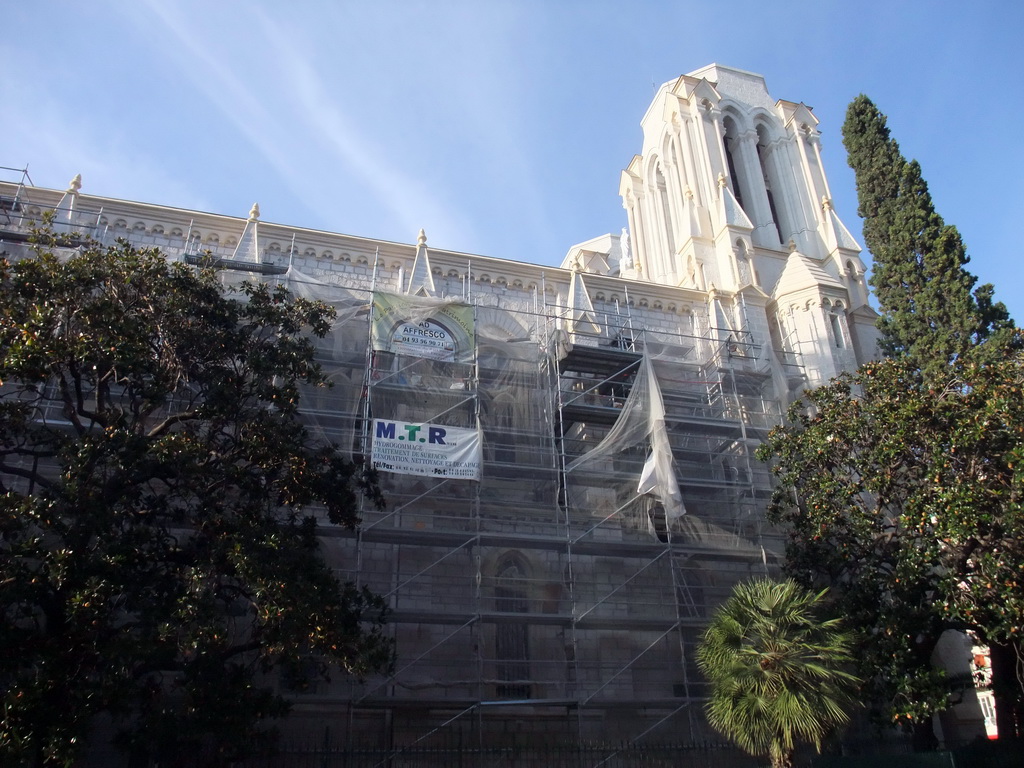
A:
(903, 476)
(900, 488)
(932, 315)
(931, 311)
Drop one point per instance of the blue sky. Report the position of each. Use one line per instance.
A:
(500, 127)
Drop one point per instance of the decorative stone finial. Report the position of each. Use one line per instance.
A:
(826, 203)
(792, 245)
(688, 194)
(75, 184)
(254, 212)
(721, 180)
(422, 239)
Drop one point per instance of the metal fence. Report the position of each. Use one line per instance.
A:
(698, 755)
(325, 754)
(977, 754)
(665, 755)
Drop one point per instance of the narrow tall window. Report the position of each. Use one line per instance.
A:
(837, 326)
(666, 216)
(512, 639)
(504, 448)
(769, 178)
(730, 147)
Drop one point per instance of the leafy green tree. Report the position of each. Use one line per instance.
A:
(909, 503)
(844, 473)
(159, 505)
(930, 310)
(777, 669)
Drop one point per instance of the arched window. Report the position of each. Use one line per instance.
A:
(512, 638)
(659, 180)
(771, 182)
(836, 324)
(501, 417)
(731, 150)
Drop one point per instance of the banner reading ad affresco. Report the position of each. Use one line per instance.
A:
(437, 330)
(426, 449)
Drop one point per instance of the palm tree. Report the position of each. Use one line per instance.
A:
(776, 669)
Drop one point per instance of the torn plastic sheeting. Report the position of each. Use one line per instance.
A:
(643, 421)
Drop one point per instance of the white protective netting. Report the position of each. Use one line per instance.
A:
(639, 430)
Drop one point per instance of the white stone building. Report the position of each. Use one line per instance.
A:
(554, 579)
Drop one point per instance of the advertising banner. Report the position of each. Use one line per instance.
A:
(436, 330)
(426, 449)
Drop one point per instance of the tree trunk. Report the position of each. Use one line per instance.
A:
(923, 737)
(1008, 686)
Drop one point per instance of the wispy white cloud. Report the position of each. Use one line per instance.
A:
(411, 201)
(333, 151)
(238, 101)
(56, 139)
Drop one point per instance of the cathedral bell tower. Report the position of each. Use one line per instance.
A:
(729, 195)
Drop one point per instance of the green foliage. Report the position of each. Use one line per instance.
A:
(898, 486)
(906, 500)
(776, 669)
(843, 476)
(159, 502)
(930, 311)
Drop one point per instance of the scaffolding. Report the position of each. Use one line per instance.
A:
(562, 590)
(559, 589)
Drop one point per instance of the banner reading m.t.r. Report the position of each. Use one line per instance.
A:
(426, 449)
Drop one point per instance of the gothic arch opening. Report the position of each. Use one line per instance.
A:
(772, 183)
(835, 318)
(666, 214)
(512, 637)
(733, 159)
(502, 418)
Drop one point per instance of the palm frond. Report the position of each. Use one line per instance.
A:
(777, 668)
